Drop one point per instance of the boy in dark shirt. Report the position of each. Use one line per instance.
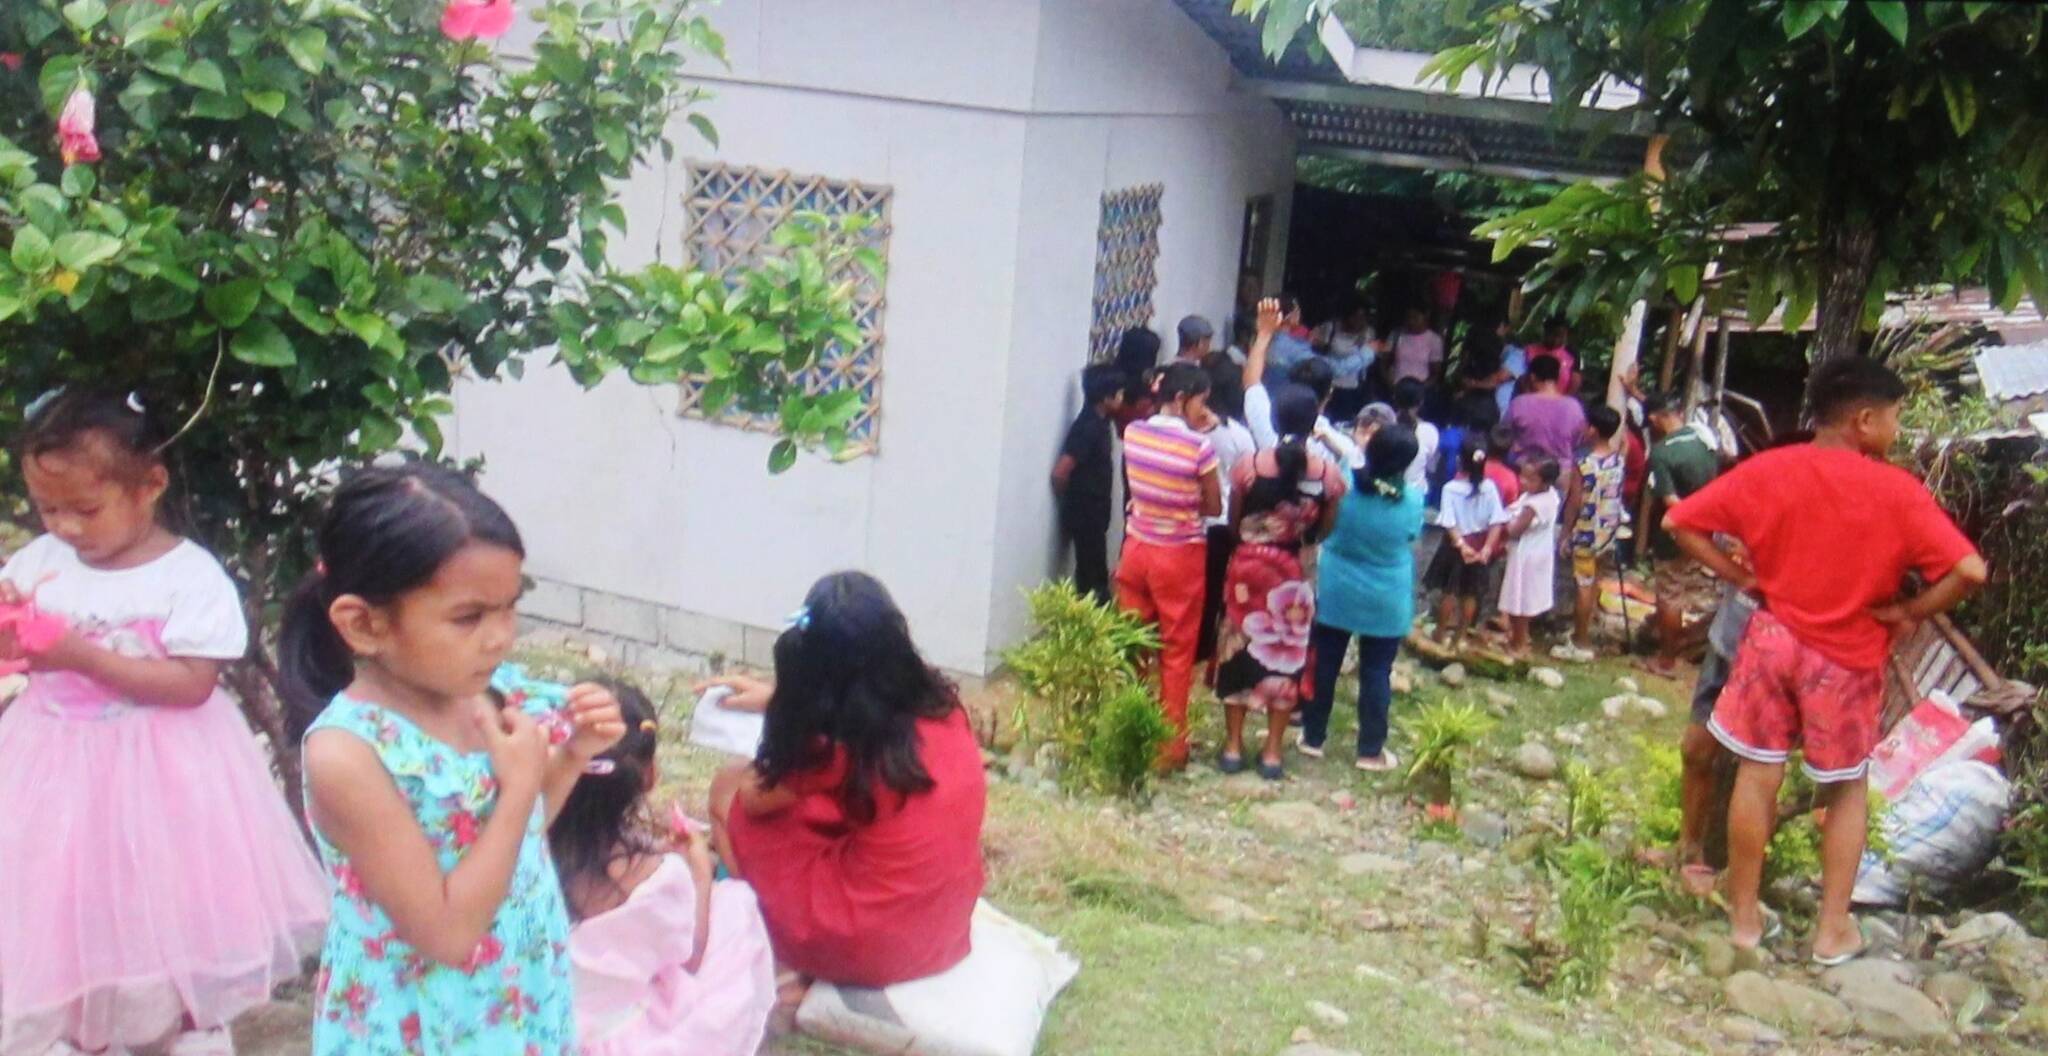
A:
(1083, 476)
(1831, 531)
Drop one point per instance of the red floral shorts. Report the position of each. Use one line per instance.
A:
(1783, 695)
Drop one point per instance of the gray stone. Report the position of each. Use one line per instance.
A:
(1975, 936)
(1869, 970)
(1641, 918)
(628, 618)
(1746, 1031)
(1787, 1005)
(1535, 762)
(1963, 996)
(1329, 1015)
(1484, 827)
(1627, 685)
(1453, 675)
(1366, 863)
(554, 602)
(698, 633)
(1718, 956)
(1500, 698)
(1886, 1008)
(1547, 677)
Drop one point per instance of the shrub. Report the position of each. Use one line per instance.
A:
(1594, 889)
(1444, 734)
(1081, 663)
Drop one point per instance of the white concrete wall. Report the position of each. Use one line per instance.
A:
(998, 124)
(1128, 92)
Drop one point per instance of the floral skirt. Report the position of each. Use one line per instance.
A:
(1263, 658)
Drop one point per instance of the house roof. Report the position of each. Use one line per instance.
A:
(1366, 103)
(2013, 372)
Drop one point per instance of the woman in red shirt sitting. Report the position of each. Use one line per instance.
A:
(858, 824)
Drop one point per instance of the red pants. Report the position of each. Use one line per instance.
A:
(1164, 584)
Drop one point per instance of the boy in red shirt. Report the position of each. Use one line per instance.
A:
(1831, 531)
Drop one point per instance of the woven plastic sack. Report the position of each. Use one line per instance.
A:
(1942, 830)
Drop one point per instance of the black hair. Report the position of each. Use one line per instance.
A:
(1289, 304)
(1847, 384)
(1499, 441)
(1387, 457)
(1547, 471)
(1546, 368)
(605, 817)
(1100, 382)
(1316, 376)
(1408, 393)
(849, 679)
(387, 531)
(1137, 353)
(66, 419)
(1226, 386)
(1181, 379)
(1472, 464)
(1605, 420)
(1663, 403)
(1294, 417)
(1556, 322)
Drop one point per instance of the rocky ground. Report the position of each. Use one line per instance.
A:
(1324, 915)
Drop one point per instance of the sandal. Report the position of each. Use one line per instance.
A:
(1313, 751)
(1379, 764)
(1862, 947)
(1230, 764)
(1271, 771)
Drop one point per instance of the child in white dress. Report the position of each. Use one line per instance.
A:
(1528, 591)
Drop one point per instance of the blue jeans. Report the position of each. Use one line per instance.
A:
(1375, 687)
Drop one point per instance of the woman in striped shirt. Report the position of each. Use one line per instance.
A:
(1174, 485)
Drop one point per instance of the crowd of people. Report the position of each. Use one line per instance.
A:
(491, 875)
(1290, 550)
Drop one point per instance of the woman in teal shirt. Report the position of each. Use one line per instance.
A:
(1366, 583)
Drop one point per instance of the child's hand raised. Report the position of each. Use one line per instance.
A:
(1269, 317)
(595, 717)
(518, 748)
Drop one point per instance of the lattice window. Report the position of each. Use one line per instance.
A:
(730, 211)
(1126, 259)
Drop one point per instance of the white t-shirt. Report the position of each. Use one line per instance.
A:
(1232, 442)
(1541, 535)
(1415, 354)
(1426, 441)
(1469, 512)
(180, 605)
(1329, 442)
(1344, 345)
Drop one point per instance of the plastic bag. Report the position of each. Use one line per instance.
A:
(718, 727)
(1942, 830)
(1915, 743)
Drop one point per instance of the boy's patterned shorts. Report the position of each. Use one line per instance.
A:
(1783, 695)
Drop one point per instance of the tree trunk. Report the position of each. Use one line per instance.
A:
(1848, 260)
(254, 684)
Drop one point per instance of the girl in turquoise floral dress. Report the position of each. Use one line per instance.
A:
(431, 775)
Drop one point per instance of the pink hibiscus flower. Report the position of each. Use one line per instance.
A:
(1279, 635)
(476, 19)
(11, 60)
(75, 138)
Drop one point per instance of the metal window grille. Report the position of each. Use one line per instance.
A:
(1126, 265)
(730, 212)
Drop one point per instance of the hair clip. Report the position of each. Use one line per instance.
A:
(800, 619)
(600, 767)
(648, 726)
(35, 406)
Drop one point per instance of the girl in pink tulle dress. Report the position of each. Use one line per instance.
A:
(153, 884)
(667, 961)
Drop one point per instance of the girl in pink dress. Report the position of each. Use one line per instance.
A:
(667, 962)
(153, 884)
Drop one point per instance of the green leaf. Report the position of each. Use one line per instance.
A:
(368, 326)
(205, 75)
(9, 305)
(310, 317)
(435, 295)
(782, 456)
(85, 14)
(262, 344)
(307, 47)
(268, 102)
(219, 107)
(1684, 280)
(1961, 97)
(1975, 11)
(1284, 19)
(81, 250)
(58, 79)
(1891, 14)
(704, 128)
(31, 251)
(1800, 16)
(665, 345)
(78, 181)
(231, 303)
(377, 433)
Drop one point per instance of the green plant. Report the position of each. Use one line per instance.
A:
(1595, 889)
(305, 220)
(1589, 800)
(1080, 665)
(1124, 743)
(1657, 803)
(1443, 736)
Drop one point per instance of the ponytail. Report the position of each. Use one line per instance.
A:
(1472, 466)
(387, 531)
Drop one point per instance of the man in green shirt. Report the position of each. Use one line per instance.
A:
(1681, 463)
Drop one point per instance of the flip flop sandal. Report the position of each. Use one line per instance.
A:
(1862, 947)
(1271, 771)
(1230, 764)
(1774, 925)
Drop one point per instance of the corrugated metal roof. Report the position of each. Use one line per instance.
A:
(1452, 141)
(2013, 372)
